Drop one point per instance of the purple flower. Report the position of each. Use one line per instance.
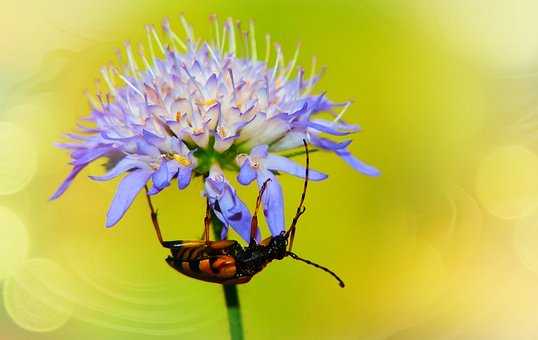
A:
(261, 165)
(188, 106)
(226, 205)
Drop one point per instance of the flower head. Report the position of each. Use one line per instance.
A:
(191, 108)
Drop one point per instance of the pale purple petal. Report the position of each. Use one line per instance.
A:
(184, 177)
(328, 144)
(152, 138)
(235, 212)
(246, 174)
(273, 202)
(283, 164)
(160, 177)
(67, 182)
(125, 164)
(259, 151)
(327, 129)
(85, 156)
(357, 164)
(147, 149)
(227, 205)
(127, 191)
(77, 168)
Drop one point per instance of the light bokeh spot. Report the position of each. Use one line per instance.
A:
(18, 158)
(13, 242)
(495, 31)
(507, 182)
(34, 297)
(526, 242)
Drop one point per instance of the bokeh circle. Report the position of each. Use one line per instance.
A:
(14, 242)
(34, 297)
(18, 158)
(507, 182)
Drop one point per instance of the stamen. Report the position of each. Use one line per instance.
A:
(145, 60)
(300, 79)
(173, 36)
(293, 62)
(277, 61)
(267, 48)
(157, 39)
(91, 100)
(187, 28)
(130, 59)
(231, 32)
(244, 37)
(233, 84)
(312, 76)
(150, 43)
(118, 56)
(106, 77)
(213, 55)
(126, 81)
(181, 159)
(165, 25)
(253, 41)
(337, 118)
(224, 30)
(214, 19)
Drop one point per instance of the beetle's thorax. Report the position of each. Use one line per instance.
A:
(252, 259)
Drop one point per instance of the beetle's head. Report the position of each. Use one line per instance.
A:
(277, 246)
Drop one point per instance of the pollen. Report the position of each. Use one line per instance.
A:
(207, 102)
(182, 160)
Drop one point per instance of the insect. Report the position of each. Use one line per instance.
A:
(227, 261)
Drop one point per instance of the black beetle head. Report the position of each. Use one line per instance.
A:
(277, 246)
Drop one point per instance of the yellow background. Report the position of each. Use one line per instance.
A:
(443, 245)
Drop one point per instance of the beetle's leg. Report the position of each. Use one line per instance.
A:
(207, 222)
(300, 208)
(254, 221)
(154, 218)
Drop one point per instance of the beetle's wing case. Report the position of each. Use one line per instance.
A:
(188, 250)
(213, 262)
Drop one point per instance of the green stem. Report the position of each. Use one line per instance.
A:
(230, 294)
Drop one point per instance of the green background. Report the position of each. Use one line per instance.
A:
(441, 246)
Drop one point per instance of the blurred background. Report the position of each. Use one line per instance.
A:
(443, 245)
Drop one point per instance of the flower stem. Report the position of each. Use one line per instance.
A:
(231, 296)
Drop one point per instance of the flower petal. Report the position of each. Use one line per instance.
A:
(259, 151)
(127, 191)
(88, 157)
(280, 163)
(147, 149)
(85, 156)
(246, 173)
(357, 164)
(273, 202)
(160, 177)
(235, 212)
(67, 182)
(226, 204)
(328, 144)
(184, 177)
(123, 165)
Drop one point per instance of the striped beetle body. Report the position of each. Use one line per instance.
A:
(226, 261)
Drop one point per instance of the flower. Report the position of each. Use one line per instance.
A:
(196, 109)
(261, 165)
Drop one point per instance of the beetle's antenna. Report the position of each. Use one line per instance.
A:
(300, 208)
(296, 257)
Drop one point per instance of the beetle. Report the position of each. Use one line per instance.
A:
(227, 261)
